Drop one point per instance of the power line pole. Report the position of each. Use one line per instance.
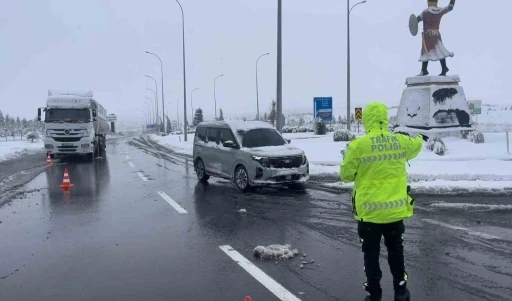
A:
(279, 68)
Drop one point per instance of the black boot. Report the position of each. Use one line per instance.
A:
(424, 71)
(445, 69)
(402, 295)
(374, 292)
(372, 298)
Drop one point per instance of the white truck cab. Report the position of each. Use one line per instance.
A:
(74, 123)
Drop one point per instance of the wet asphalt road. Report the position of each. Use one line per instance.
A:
(113, 237)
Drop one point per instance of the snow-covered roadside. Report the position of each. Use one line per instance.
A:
(176, 143)
(12, 149)
(467, 167)
(444, 187)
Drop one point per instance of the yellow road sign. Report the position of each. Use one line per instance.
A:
(359, 113)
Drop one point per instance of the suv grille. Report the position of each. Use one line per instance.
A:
(286, 162)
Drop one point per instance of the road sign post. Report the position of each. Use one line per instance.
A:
(322, 108)
(475, 108)
(359, 116)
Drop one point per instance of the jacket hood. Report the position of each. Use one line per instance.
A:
(375, 117)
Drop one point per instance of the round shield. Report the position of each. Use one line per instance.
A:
(413, 24)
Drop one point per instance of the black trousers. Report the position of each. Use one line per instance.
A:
(370, 235)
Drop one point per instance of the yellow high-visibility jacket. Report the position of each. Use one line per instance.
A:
(376, 164)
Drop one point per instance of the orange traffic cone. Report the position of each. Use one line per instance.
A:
(66, 183)
(49, 160)
(248, 298)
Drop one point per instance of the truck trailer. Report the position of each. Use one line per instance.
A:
(74, 124)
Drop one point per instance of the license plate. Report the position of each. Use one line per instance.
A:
(67, 144)
(288, 178)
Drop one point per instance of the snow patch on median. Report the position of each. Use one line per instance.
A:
(473, 207)
(282, 252)
(14, 149)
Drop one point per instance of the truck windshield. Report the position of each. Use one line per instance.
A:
(261, 138)
(67, 115)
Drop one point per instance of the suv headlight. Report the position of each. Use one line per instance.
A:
(264, 161)
(304, 159)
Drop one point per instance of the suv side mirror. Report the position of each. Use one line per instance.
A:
(229, 144)
(39, 114)
(289, 141)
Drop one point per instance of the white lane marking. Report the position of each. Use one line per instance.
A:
(483, 235)
(127, 157)
(131, 164)
(143, 177)
(276, 288)
(172, 202)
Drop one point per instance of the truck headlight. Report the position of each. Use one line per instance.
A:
(264, 161)
(48, 146)
(85, 145)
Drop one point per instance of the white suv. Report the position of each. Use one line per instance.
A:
(250, 153)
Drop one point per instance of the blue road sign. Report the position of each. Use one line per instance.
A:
(322, 108)
(151, 126)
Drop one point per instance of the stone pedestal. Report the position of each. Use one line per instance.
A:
(432, 104)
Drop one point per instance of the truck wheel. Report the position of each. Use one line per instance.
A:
(90, 156)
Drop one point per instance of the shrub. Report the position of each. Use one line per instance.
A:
(320, 128)
(32, 136)
(476, 137)
(464, 134)
(437, 146)
(343, 135)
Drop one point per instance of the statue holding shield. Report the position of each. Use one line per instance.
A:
(432, 48)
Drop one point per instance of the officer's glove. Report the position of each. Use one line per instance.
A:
(425, 138)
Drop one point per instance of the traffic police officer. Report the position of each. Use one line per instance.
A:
(380, 199)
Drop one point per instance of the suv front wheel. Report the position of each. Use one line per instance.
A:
(201, 171)
(242, 178)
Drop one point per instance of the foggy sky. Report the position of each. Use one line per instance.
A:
(99, 45)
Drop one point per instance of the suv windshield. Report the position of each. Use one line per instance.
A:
(261, 138)
(67, 115)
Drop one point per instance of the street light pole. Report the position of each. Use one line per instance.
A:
(214, 94)
(151, 105)
(192, 104)
(156, 102)
(279, 93)
(178, 110)
(257, 90)
(184, 74)
(167, 110)
(145, 121)
(149, 111)
(162, 74)
(349, 10)
(156, 99)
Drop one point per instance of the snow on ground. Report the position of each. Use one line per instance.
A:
(446, 187)
(464, 161)
(466, 166)
(176, 143)
(12, 149)
(282, 252)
